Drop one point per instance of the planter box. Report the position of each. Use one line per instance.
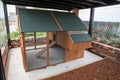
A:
(105, 50)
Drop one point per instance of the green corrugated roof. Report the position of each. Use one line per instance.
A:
(37, 21)
(42, 21)
(80, 37)
(69, 21)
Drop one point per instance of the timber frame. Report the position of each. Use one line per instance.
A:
(68, 43)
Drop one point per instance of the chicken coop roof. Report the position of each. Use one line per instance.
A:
(43, 21)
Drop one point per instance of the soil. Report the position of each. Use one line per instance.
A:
(105, 69)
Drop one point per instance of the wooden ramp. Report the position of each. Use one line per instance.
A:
(44, 50)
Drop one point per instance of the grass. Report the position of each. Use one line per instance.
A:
(16, 35)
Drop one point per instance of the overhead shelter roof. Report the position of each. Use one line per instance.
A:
(63, 4)
(43, 21)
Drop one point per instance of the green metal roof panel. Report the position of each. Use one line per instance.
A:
(80, 37)
(69, 21)
(37, 21)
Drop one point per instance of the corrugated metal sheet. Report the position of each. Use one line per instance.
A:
(69, 21)
(37, 21)
(42, 21)
(80, 37)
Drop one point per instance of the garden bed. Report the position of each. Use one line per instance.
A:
(106, 50)
(105, 69)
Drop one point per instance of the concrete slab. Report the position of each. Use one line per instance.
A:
(16, 71)
(57, 55)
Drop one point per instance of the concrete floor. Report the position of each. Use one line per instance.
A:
(57, 55)
(15, 70)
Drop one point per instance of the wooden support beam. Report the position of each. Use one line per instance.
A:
(35, 40)
(48, 57)
(23, 50)
(44, 49)
(57, 22)
(22, 44)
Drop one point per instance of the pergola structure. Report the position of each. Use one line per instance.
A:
(56, 4)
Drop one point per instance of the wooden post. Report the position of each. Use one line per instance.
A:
(35, 40)
(75, 11)
(22, 44)
(57, 22)
(48, 57)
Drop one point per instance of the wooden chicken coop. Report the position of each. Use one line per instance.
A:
(63, 28)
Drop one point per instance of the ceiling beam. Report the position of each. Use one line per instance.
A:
(97, 1)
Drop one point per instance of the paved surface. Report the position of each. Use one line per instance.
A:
(16, 71)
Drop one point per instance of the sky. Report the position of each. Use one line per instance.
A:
(10, 9)
(108, 14)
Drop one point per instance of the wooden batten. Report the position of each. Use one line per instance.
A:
(48, 60)
(50, 36)
(22, 44)
(57, 22)
(19, 24)
(23, 50)
(35, 40)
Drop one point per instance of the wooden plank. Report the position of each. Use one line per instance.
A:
(19, 25)
(44, 49)
(61, 38)
(50, 37)
(22, 44)
(72, 55)
(35, 40)
(27, 35)
(48, 60)
(56, 21)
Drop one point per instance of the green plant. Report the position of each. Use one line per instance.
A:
(104, 40)
(14, 35)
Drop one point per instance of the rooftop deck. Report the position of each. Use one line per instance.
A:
(15, 70)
